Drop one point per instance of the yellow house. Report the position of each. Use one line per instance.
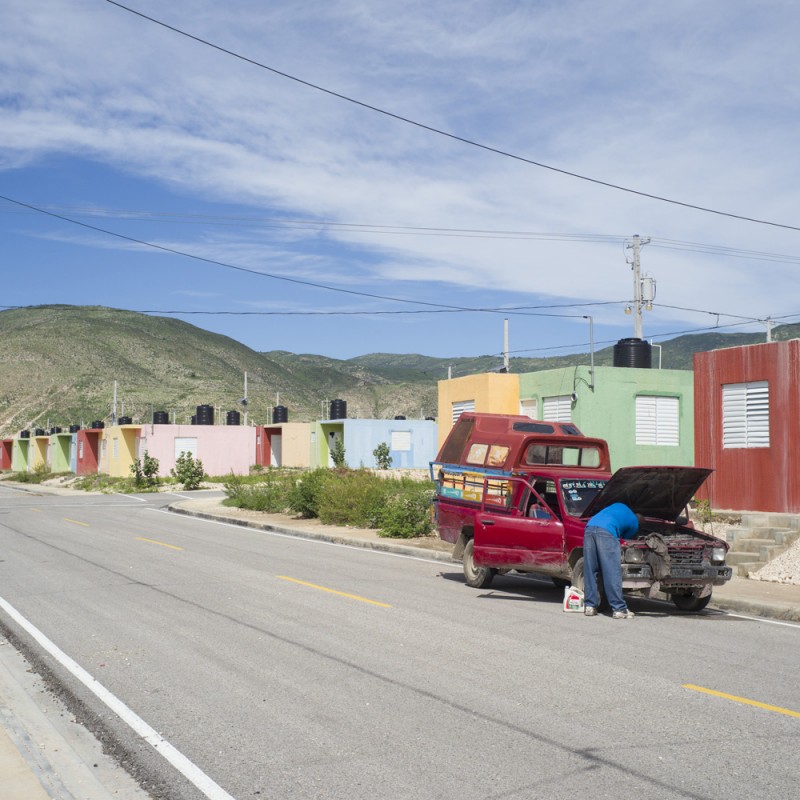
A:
(119, 448)
(488, 393)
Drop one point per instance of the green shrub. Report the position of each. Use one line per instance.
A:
(303, 497)
(271, 494)
(145, 471)
(382, 458)
(338, 452)
(353, 497)
(407, 514)
(188, 470)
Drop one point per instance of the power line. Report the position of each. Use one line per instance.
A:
(449, 135)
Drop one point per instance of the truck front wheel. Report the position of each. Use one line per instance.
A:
(690, 602)
(476, 577)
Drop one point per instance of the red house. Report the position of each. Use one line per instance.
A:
(747, 426)
(88, 454)
(6, 447)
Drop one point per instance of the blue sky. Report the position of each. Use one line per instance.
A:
(117, 123)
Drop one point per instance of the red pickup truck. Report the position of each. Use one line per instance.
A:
(513, 493)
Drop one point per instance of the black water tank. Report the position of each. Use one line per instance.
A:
(124, 421)
(38, 431)
(233, 418)
(205, 415)
(194, 419)
(431, 419)
(24, 434)
(74, 428)
(98, 424)
(633, 353)
(55, 429)
(280, 414)
(399, 416)
(160, 418)
(338, 409)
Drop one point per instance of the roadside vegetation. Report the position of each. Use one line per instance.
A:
(395, 507)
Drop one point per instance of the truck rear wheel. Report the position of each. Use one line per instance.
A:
(690, 602)
(476, 577)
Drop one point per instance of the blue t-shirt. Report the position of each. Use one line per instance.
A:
(617, 519)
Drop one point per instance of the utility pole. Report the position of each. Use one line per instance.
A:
(245, 400)
(638, 294)
(114, 411)
(505, 345)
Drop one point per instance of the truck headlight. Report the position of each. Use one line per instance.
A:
(633, 555)
(718, 555)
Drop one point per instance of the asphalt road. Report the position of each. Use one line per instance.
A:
(268, 666)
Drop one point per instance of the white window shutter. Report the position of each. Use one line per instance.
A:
(460, 407)
(557, 408)
(657, 420)
(745, 414)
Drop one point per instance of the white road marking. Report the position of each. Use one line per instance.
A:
(795, 625)
(188, 769)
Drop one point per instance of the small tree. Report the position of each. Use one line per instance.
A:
(382, 458)
(188, 471)
(337, 452)
(145, 471)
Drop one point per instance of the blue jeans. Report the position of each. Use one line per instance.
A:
(601, 551)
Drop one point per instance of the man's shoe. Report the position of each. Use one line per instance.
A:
(590, 611)
(626, 614)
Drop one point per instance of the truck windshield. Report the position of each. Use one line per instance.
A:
(577, 494)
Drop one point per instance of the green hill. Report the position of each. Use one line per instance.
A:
(59, 364)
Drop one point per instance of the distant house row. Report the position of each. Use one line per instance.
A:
(222, 448)
(737, 412)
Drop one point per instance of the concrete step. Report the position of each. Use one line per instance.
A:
(751, 544)
(741, 557)
(744, 570)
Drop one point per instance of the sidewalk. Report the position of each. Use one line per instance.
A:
(739, 595)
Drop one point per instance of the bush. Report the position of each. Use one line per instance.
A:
(407, 514)
(352, 497)
(382, 458)
(271, 494)
(188, 470)
(304, 495)
(145, 471)
(338, 452)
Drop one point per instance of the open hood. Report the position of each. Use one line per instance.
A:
(655, 492)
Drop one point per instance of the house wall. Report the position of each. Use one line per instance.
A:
(609, 410)
(295, 444)
(38, 452)
(320, 448)
(222, 448)
(21, 455)
(750, 479)
(59, 452)
(412, 442)
(118, 449)
(6, 451)
(493, 393)
(87, 452)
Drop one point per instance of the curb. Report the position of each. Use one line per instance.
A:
(331, 538)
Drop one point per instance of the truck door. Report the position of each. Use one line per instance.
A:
(519, 533)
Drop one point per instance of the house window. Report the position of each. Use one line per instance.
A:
(557, 408)
(116, 447)
(529, 408)
(186, 444)
(401, 441)
(657, 420)
(460, 407)
(745, 414)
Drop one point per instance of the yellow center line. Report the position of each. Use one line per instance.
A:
(37, 510)
(746, 701)
(333, 591)
(162, 544)
(76, 522)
